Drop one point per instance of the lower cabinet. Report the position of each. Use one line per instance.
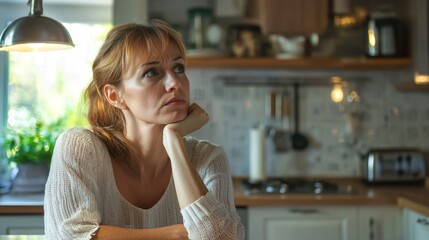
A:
(302, 223)
(380, 223)
(242, 213)
(21, 224)
(416, 225)
(326, 223)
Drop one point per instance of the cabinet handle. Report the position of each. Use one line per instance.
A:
(305, 211)
(371, 228)
(423, 221)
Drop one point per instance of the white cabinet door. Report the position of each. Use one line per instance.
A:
(416, 225)
(380, 223)
(242, 213)
(23, 224)
(302, 223)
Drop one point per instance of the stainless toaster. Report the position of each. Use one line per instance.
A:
(394, 165)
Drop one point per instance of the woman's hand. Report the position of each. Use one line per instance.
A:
(189, 186)
(196, 118)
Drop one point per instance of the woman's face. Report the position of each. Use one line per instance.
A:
(158, 91)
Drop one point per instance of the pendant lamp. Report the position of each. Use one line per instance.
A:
(35, 33)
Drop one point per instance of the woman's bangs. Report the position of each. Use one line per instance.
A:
(146, 46)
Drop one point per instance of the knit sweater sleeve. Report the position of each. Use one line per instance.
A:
(213, 216)
(70, 206)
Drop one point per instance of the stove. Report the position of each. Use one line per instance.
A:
(295, 186)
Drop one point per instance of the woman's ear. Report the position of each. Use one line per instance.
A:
(112, 95)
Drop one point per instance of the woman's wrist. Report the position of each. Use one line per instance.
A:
(171, 139)
(171, 131)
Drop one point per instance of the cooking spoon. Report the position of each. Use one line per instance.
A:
(299, 141)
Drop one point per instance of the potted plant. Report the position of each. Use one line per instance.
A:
(29, 151)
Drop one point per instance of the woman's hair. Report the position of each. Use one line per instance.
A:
(125, 47)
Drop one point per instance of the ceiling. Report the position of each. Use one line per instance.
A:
(77, 2)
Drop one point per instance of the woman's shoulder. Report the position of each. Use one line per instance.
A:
(202, 149)
(195, 144)
(78, 135)
(77, 132)
(78, 139)
(76, 145)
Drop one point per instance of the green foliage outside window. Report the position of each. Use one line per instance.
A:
(33, 143)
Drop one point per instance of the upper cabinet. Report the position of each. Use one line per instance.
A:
(293, 17)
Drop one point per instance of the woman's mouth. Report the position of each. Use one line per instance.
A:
(175, 102)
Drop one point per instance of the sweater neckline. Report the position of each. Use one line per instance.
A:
(126, 202)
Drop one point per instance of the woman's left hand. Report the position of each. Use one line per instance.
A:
(196, 118)
(189, 186)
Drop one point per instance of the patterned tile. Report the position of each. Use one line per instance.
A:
(390, 118)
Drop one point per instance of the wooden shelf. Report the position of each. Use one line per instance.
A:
(411, 86)
(300, 63)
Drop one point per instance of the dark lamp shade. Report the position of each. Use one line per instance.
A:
(35, 34)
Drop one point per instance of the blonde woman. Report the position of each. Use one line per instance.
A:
(135, 174)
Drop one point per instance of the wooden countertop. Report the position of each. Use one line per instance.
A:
(408, 196)
(21, 204)
(412, 197)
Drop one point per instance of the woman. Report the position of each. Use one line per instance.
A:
(135, 175)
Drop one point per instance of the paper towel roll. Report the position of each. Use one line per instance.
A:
(257, 155)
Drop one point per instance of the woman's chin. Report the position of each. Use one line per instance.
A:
(177, 117)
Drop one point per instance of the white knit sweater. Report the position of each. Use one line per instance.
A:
(81, 193)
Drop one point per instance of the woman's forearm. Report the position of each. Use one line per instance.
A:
(189, 186)
(118, 233)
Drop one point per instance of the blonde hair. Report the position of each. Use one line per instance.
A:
(125, 46)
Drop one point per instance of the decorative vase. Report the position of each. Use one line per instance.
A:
(30, 178)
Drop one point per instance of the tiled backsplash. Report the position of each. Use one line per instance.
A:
(391, 118)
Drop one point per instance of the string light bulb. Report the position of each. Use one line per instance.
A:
(337, 93)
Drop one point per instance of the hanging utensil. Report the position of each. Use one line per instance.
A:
(299, 141)
(278, 113)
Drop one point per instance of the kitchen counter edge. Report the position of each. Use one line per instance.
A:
(415, 197)
(412, 197)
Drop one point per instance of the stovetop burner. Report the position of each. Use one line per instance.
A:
(295, 186)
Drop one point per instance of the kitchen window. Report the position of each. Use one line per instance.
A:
(48, 85)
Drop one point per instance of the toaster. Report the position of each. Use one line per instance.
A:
(394, 165)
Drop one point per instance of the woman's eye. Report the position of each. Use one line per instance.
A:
(151, 73)
(179, 68)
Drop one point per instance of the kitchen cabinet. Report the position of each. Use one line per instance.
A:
(242, 213)
(21, 224)
(302, 223)
(416, 225)
(293, 17)
(380, 223)
(330, 223)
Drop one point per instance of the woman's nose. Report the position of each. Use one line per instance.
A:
(172, 82)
